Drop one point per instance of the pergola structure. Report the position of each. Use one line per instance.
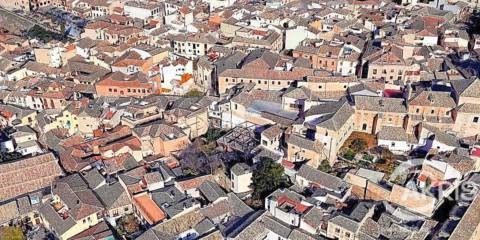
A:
(241, 138)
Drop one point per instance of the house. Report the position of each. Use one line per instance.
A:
(212, 192)
(287, 206)
(28, 175)
(332, 56)
(11, 115)
(444, 171)
(99, 231)
(160, 138)
(73, 208)
(143, 11)
(387, 63)
(21, 139)
(327, 127)
(436, 139)
(467, 117)
(174, 202)
(147, 210)
(115, 201)
(190, 114)
(271, 137)
(327, 188)
(252, 38)
(118, 83)
(373, 113)
(302, 149)
(191, 186)
(132, 62)
(395, 139)
(433, 107)
(192, 46)
(241, 178)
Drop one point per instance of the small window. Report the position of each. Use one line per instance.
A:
(475, 119)
(433, 111)
(418, 110)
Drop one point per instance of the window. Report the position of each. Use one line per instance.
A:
(418, 110)
(364, 127)
(374, 71)
(475, 119)
(337, 230)
(433, 111)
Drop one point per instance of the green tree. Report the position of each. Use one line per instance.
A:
(6, 157)
(267, 177)
(358, 145)
(349, 154)
(194, 93)
(128, 224)
(12, 233)
(325, 166)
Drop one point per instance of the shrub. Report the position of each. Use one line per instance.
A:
(349, 154)
(358, 145)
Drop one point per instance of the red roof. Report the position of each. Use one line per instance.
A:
(288, 164)
(6, 114)
(299, 207)
(476, 152)
(109, 115)
(149, 210)
(392, 93)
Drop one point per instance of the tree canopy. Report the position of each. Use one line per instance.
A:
(267, 177)
(325, 166)
(194, 93)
